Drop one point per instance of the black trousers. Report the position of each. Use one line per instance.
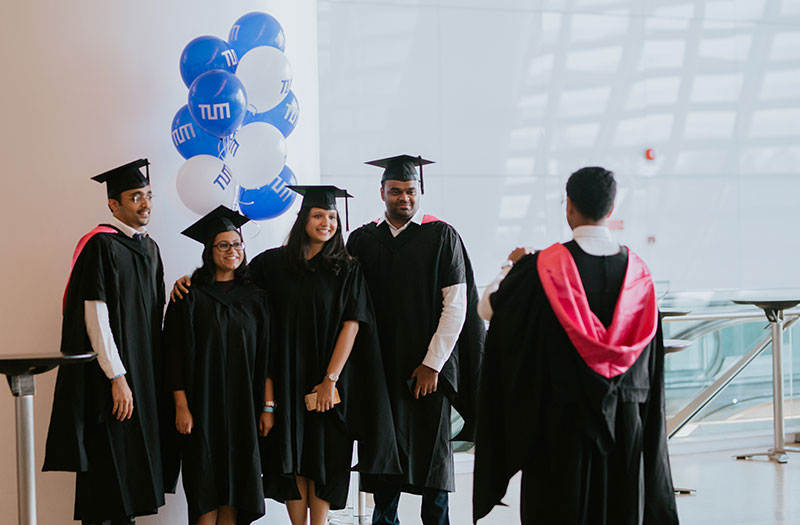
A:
(435, 506)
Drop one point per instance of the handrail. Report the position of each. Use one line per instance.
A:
(691, 409)
(732, 315)
(708, 327)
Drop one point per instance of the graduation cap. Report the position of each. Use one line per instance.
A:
(323, 197)
(402, 168)
(219, 220)
(125, 177)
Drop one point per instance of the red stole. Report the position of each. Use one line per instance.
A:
(608, 351)
(78, 249)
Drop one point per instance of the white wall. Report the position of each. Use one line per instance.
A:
(511, 96)
(88, 85)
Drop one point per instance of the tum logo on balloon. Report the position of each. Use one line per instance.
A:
(183, 133)
(235, 32)
(230, 57)
(224, 178)
(279, 187)
(215, 111)
(292, 111)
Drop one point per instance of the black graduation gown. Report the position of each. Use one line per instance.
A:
(592, 450)
(406, 275)
(308, 311)
(216, 341)
(118, 463)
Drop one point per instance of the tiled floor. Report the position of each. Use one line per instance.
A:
(730, 492)
(757, 492)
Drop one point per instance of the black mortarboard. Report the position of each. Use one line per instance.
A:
(323, 197)
(401, 167)
(125, 177)
(219, 220)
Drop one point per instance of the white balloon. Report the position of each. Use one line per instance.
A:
(204, 182)
(266, 75)
(257, 154)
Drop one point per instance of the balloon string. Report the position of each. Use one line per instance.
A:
(237, 191)
(222, 147)
(258, 229)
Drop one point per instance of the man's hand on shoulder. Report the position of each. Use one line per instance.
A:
(180, 288)
(518, 253)
(427, 380)
(122, 397)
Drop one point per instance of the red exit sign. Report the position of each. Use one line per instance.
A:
(615, 224)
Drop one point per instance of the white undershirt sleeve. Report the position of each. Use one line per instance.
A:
(485, 305)
(99, 329)
(454, 313)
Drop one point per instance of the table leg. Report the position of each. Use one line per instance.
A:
(23, 388)
(778, 450)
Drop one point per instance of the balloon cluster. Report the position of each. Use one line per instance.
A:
(232, 132)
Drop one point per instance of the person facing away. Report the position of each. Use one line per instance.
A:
(325, 363)
(216, 343)
(431, 338)
(105, 419)
(572, 388)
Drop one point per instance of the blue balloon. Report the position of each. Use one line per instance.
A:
(256, 29)
(283, 116)
(189, 139)
(218, 102)
(206, 53)
(267, 202)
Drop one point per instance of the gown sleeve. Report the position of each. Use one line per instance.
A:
(262, 363)
(451, 268)
(659, 503)
(90, 279)
(509, 380)
(176, 341)
(73, 403)
(365, 409)
(357, 306)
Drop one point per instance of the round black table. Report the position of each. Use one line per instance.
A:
(672, 312)
(773, 309)
(19, 370)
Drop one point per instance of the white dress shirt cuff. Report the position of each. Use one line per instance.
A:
(98, 328)
(454, 312)
(485, 305)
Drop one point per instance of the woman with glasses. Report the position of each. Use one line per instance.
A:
(216, 343)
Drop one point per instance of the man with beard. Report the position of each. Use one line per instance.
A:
(104, 424)
(423, 291)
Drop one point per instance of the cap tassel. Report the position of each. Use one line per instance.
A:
(421, 182)
(346, 214)
(147, 169)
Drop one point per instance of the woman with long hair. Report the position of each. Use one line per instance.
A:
(216, 342)
(329, 383)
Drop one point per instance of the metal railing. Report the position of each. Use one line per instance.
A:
(711, 323)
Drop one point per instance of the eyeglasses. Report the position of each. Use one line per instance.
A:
(224, 246)
(139, 197)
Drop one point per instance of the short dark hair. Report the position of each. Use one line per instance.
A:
(334, 253)
(592, 191)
